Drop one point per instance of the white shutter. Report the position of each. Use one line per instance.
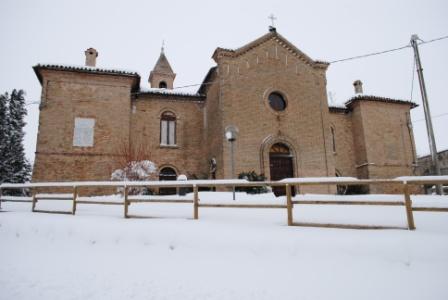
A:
(163, 132)
(172, 128)
(83, 132)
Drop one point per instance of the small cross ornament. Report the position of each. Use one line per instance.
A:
(273, 18)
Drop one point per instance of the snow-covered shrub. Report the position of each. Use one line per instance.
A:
(143, 170)
(252, 176)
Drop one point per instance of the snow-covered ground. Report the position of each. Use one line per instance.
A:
(226, 254)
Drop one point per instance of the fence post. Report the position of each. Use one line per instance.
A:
(408, 205)
(289, 204)
(33, 201)
(126, 202)
(195, 203)
(75, 195)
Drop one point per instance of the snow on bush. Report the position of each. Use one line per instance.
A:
(143, 170)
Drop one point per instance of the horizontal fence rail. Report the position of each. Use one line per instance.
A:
(405, 182)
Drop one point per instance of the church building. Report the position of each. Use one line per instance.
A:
(272, 94)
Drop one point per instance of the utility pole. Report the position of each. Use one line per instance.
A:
(429, 129)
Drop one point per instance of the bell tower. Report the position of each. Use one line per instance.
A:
(162, 76)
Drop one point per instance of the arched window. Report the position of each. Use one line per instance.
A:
(167, 173)
(168, 129)
(279, 149)
(162, 85)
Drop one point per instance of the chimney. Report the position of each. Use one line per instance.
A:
(91, 55)
(358, 87)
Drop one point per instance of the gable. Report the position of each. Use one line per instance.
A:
(278, 39)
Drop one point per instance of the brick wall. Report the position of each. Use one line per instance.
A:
(303, 126)
(65, 96)
(344, 156)
(384, 139)
(188, 155)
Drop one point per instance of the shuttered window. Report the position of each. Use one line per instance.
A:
(168, 129)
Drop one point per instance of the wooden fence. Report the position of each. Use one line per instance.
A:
(195, 185)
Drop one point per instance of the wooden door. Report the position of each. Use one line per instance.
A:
(280, 167)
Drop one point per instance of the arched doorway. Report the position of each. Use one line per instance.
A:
(280, 165)
(167, 173)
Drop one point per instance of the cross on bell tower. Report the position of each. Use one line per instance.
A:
(272, 18)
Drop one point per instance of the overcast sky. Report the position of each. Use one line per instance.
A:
(128, 35)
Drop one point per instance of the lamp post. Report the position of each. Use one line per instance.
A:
(231, 133)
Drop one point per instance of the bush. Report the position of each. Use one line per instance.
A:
(143, 170)
(252, 176)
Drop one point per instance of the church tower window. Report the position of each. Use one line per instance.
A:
(277, 102)
(168, 129)
(162, 85)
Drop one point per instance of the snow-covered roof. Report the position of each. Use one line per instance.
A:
(362, 97)
(86, 69)
(338, 108)
(439, 152)
(183, 92)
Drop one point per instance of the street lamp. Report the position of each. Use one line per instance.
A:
(231, 133)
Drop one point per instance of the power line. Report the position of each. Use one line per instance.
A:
(434, 117)
(370, 54)
(433, 40)
(345, 59)
(387, 51)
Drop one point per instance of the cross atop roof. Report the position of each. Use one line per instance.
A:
(273, 18)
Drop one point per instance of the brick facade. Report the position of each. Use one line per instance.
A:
(372, 136)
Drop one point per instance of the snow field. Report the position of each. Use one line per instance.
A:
(227, 253)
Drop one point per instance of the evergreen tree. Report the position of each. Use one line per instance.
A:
(4, 148)
(17, 165)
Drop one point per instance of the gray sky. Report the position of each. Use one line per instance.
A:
(128, 35)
